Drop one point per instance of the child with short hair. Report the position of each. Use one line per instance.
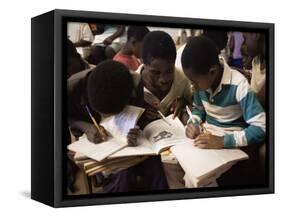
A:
(223, 100)
(165, 89)
(131, 52)
(163, 85)
(106, 90)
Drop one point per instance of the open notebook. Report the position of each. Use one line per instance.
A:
(118, 127)
(202, 166)
(155, 138)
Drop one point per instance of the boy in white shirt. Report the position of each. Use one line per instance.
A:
(81, 36)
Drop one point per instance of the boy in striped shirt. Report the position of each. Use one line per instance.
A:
(222, 99)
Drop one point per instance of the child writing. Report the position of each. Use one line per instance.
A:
(132, 50)
(223, 100)
(102, 91)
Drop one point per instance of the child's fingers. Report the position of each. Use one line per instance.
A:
(132, 135)
(176, 111)
(200, 142)
(132, 141)
(135, 129)
(94, 137)
(203, 146)
(190, 131)
(103, 130)
(201, 136)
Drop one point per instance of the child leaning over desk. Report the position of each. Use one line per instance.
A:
(223, 100)
(165, 89)
(102, 91)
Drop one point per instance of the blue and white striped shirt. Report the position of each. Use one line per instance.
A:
(233, 107)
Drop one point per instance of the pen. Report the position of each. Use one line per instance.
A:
(190, 115)
(164, 118)
(191, 118)
(96, 124)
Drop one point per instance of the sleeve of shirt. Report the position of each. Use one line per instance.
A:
(198, 110)
(254, 116)
(87, 34)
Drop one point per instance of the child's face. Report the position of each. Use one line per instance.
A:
(250, 44)
(160, 74)
(200, 82)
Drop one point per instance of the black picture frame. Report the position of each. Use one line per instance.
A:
(49, 114)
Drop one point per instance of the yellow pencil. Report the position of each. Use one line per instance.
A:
(96, 124)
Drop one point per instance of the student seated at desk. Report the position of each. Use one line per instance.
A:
(164, 87)
(106, 90)
(223, 100)
(132, 50)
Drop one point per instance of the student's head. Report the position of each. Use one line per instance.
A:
(74, 61)
(219, 37)
(200, 62)
(253, 44)
(109, 87)
(135, 37)
(159, 55)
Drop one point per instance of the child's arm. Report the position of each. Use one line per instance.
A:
(198, 110)
(253, 114)
(120, 30)
(88, 128)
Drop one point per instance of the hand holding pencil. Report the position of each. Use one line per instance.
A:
(100, 133)
(192, 129)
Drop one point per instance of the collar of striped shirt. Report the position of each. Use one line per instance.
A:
(226, 77)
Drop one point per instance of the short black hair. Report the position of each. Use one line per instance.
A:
(137, 32)
(219, 37)
(200, 54)
(109, 87)
(158, 44)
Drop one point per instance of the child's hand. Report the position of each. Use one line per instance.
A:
(133, 135)
(94, 136)
(108, 41)
(151, 111)
(209, 141)
(192, 130)
(90, 131)
(176, 108)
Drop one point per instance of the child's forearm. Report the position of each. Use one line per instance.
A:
(250, 136)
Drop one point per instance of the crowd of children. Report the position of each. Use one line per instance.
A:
(109, 67)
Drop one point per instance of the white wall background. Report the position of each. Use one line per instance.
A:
(15, 107)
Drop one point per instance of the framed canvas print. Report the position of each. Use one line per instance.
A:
(134, 108)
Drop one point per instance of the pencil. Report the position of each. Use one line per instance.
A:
(164, 118)
(95, 123)
(201, 126)
(189, 114)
